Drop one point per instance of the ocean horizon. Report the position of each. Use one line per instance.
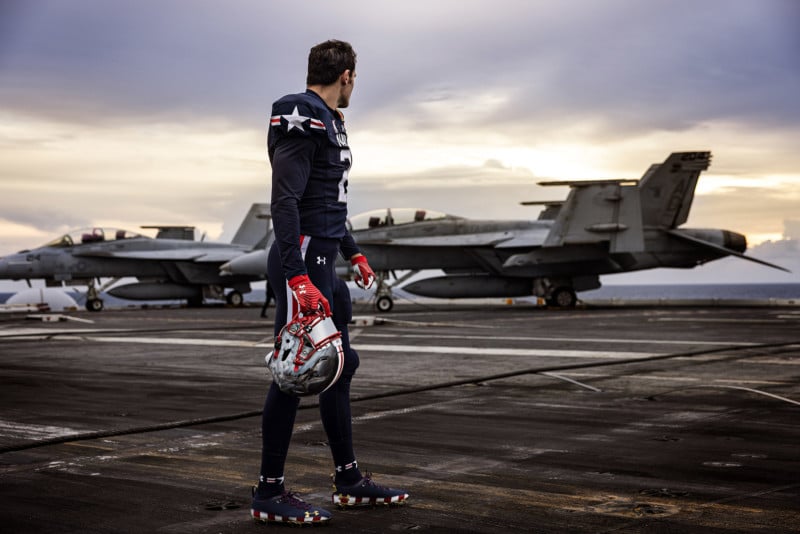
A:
(695, 291)
(633, 292)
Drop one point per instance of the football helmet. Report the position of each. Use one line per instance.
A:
(308, 356)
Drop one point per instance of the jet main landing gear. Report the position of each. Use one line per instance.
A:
(562, 297)
(234, 298)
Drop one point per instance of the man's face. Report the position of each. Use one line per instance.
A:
(347, 89)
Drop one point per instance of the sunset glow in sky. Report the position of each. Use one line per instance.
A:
(117, 113)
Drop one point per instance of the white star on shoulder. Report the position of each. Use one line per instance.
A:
(295, 120)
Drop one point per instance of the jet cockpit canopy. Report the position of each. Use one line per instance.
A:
(394, 216)
(92, 235)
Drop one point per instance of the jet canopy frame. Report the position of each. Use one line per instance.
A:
(394, 216)
(95, 234)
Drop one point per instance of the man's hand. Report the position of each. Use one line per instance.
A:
(364, 275)
(308, 296)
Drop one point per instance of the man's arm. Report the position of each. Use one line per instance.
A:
(291, 167)
(349, 247)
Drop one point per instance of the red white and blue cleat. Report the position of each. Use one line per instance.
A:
(365, 492)
(287, 508)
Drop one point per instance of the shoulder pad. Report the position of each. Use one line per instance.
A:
(297, 115)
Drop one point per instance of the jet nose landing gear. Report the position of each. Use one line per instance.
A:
(93, 301)
(384, 303)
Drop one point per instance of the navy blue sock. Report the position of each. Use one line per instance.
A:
(269, 487)
(334, 407)
(347, 474)
(277, 423)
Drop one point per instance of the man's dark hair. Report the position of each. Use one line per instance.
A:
(328, 60)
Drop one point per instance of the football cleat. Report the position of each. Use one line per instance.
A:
(287, 508)
(365, 492)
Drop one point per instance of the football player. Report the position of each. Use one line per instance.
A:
(310, 157)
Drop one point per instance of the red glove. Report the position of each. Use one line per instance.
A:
(308, 296)
(365, 276)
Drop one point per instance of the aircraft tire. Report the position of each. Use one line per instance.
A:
(563, 297)
(94, 305)
(234, 298)
(384, 304)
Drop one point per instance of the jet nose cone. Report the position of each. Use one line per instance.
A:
(735, 241)
(14, 266)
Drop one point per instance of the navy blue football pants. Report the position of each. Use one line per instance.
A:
(280, 409)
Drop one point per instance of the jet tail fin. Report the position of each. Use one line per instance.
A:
(254, 229)
(618, 211)
(667, 189)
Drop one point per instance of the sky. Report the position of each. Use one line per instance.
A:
(121, 114)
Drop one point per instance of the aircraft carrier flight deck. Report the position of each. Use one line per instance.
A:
(494, 418)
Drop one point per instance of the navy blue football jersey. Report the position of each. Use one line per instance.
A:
(307, 145)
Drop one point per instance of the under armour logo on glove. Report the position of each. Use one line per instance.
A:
(321, 260)
(308, 296)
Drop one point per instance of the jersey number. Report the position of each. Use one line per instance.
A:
(344, 156)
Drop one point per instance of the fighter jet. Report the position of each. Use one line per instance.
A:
(171, 266)
(603, 227)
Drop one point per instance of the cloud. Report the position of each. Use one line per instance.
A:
(746, 210)
(627, 67)
(633, 65)
(58, 176)
(792, 229)
(154, 112)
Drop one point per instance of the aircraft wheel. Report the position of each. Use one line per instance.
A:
(94, 305)
(384, 304)
(563, 297)
(235, 298)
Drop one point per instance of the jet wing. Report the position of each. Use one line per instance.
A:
(503, 239)
(189, 254)
(219, 256)
(453, 240)
(526, 239)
